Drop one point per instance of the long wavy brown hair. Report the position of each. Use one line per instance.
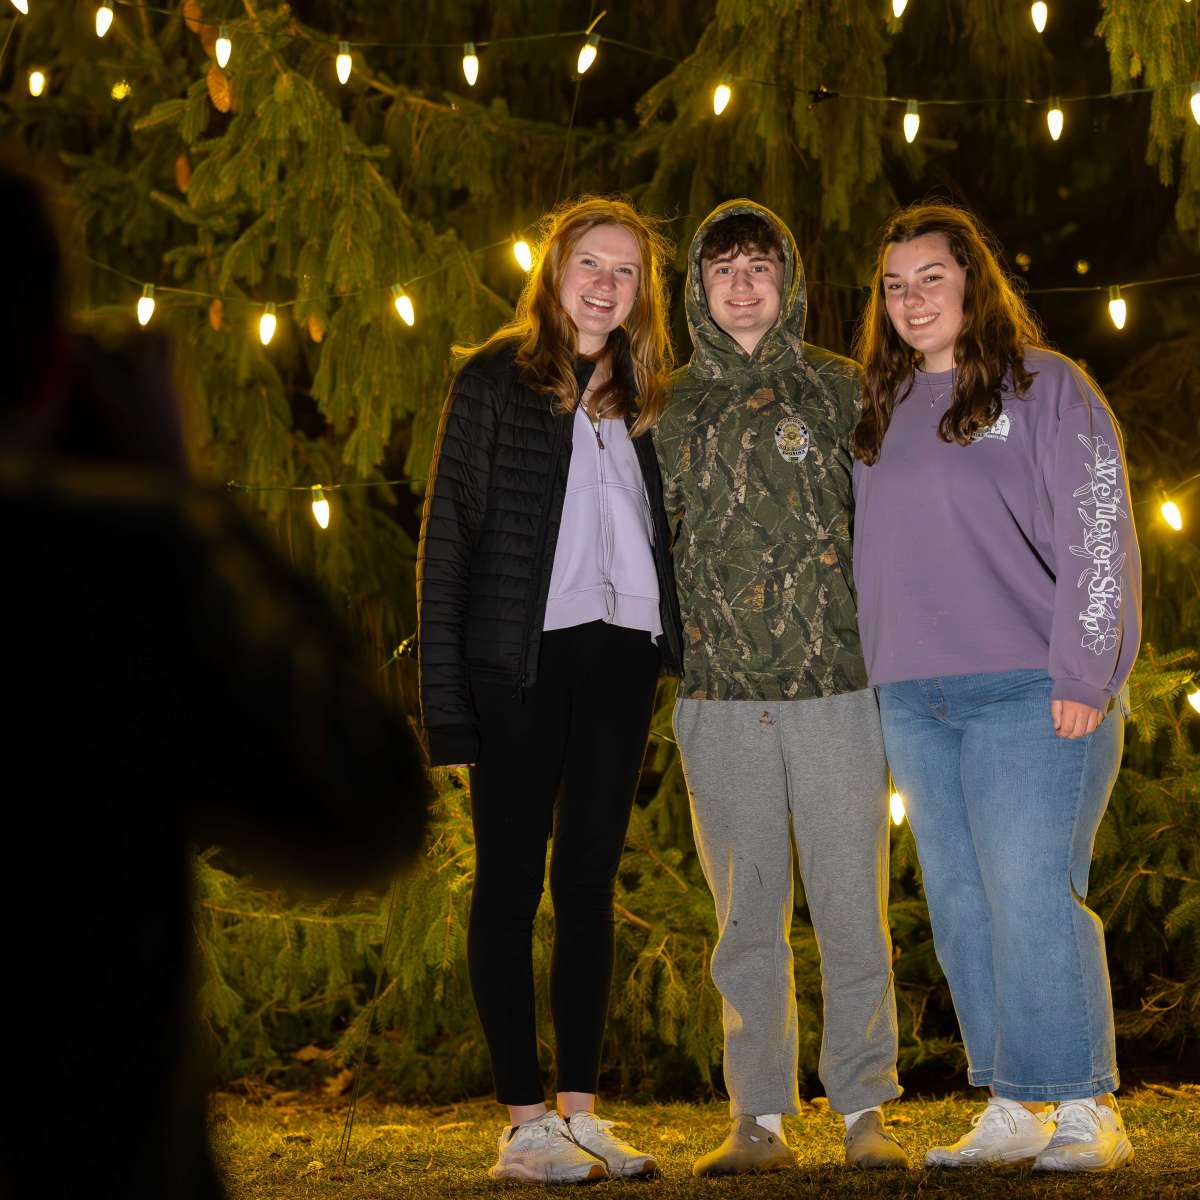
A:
(546, 336)
(997, 329)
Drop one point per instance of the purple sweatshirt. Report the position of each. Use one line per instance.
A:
(603, 562)
(1017, 551)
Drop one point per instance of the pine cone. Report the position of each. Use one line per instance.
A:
(219, 91)
(183, 173)
(216, 313)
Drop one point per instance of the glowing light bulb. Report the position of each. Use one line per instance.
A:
(104, 19)
(470, 63)
(145, 305)
(897, 807)
(404, 305)
(1194, 700)
(1116, 307)
(722, 94)
(22, 6)
(898, 7)
(912, 121)
(1171, 514)
(266, 325)
(343, 63)
(1054, 119)
(121, 90)
(223, 48)
(1039, 11)
(1196, 102)
(523, 254)
(37, 82)
(588, 52)
(320, 507)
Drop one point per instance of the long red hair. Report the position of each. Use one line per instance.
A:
(546, 336)
(997, 329)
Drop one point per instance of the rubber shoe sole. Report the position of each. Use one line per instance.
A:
(648, 1170)
(520, 1171)
(1007, 1158)
(1058, 1160)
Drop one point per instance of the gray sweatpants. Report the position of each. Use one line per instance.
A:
(761, 774)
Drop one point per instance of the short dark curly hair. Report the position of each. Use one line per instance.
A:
(741, 233)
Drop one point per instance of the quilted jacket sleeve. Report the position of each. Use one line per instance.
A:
(450, 523)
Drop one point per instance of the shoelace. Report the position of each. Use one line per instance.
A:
(994, 1115)
(1077, 1123)
(543, 1132)
(602, 1128)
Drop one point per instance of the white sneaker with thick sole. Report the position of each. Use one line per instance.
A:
(543, 1151)
(1089, 1137)
(1004, 1133)
(619, 1157)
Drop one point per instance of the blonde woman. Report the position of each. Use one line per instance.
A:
(546, 612)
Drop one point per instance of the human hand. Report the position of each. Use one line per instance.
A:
(1074, 720)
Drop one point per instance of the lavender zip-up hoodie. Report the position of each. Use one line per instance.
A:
(603, 561)
(1017, 551)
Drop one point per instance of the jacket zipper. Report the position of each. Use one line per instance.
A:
(607, 548)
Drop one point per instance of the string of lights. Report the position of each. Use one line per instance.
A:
(722, 92)
(1168, 507)
(722, 97)
(402, 301)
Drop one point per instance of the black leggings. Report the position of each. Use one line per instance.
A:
(582, 725)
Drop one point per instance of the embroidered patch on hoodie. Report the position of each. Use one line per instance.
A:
(792, 439)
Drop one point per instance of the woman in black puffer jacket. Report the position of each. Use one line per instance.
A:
(546, 611)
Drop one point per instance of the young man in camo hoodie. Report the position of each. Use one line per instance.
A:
(777, 728)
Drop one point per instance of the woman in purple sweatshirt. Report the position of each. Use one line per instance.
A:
(999, 590)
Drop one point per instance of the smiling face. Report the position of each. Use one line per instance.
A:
(743, 293)
(923, 286)
(599, 283)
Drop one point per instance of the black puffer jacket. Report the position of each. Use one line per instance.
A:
(488, 534)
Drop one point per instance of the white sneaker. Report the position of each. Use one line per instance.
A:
(1089, 1137)
(543, 1151)
(619, 1157)
(1003, 1133)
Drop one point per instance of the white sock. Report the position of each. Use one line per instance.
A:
(850, 1118)
(773, 1122)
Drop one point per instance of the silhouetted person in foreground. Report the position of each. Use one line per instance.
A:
(171, 682)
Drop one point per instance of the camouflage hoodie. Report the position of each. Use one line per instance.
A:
(756, 467)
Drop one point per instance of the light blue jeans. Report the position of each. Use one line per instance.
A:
(1005, 813)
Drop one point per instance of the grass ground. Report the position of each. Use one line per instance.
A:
(284, 1146)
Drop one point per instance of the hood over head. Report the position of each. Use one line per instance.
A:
(713, 350)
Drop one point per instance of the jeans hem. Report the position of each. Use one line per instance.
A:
(980, 1078)
(1058, 1091)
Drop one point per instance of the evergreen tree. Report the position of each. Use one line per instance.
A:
(270, 182)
